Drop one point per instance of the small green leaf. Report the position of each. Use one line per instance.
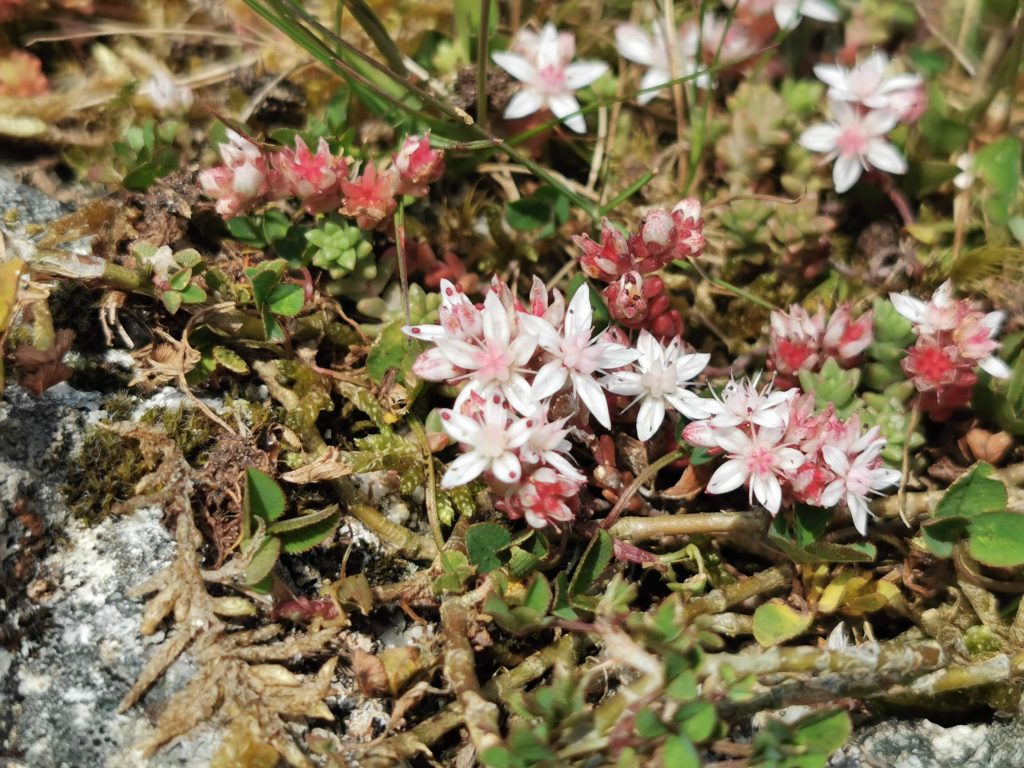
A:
(264, 498)
(300, 534)
(230, 360)
(189, 258)
(487, 545)
(824, 731)
(776, 622)
(246, 230)
(974, 493)
(995, 539)
(939, 536)
(193, 294)
(171, 300)
(538, 594)
(286, 299)
(527, 214)
(698, 720)
(680, 753)
(263, 282)
(263, 560)
(393, 350)
(595, 559)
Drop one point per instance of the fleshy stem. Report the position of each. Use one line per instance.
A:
(479, 715)
(636, 529)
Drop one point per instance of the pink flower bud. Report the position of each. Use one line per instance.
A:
(370, 197)
(690, 210)
(607, 260)
(657, 229)
(418, 165)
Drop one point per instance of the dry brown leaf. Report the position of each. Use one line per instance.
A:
(326, 467)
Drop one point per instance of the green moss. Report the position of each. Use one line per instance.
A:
(190, 428)
(101, 475)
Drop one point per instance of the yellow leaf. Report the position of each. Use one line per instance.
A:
(21, 126)
(10, 274)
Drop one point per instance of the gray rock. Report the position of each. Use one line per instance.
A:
(923, 744)
(30, 206)
(60, 687)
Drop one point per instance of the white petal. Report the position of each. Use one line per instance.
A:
(836, 459)
(616, 356)
(728, 477)
(548, 49)
(460, 353)
(910, 307)
(652, 84)
(885, 157)
(433, 365)
(506, 468)
(549, 379)
(580, 74)
(833, 493)
(883, 477)
(995, 367)
(547, 336)
(496, 325)
(515, 65)
(649, 418)
(832, 76)
(900, 83)
(845, 173)
(424, 332)
(593, 397)
(517, 392)
(467, 467)
(462, 428)
(859, 513)
(771, 495)
(634, 44)
(522, 348)
(879, 122)
(786, 14)
(820, 138)
(579, 316)
(689, 404)
(566, 108)
(731, 439)
(525, 102)
(688, 366)
(623, 383)
(818, 9)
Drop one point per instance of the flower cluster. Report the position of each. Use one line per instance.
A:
(865, 105)
(800, 341)
(953, 339)
(512, 360)
(636, 297)
(543, 64)
(777, 446)
(251, 176)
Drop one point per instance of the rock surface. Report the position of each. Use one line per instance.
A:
(923, 744)
(62, 678)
